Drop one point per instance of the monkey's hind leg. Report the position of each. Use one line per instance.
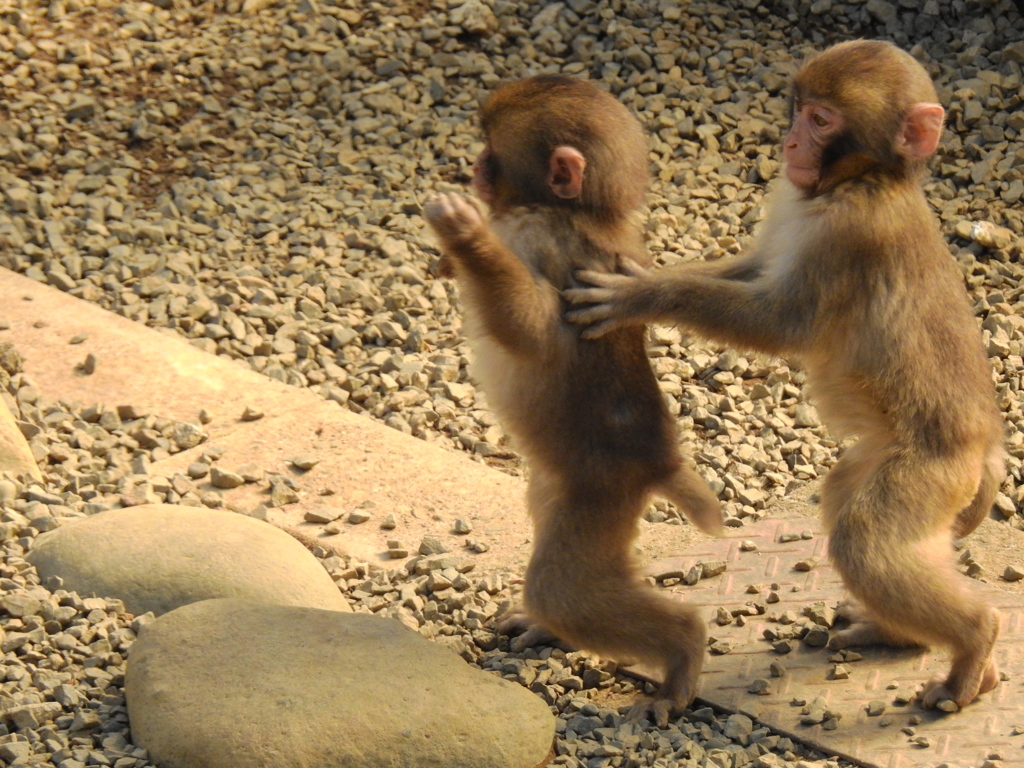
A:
(916, 595)
(971, 674)
(688, 491)
(681, 663)
(611, 613)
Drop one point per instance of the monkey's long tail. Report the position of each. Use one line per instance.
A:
(992, 475)
(688, 491)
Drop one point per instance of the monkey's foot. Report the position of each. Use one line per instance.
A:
(530, 633)
(862, 633)
(863, 630)
(958, 691)
(659, 710)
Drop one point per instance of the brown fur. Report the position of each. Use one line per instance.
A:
(588, 416)
(851, 275)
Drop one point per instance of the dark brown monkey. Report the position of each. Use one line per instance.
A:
(563, 172)
(849, 272)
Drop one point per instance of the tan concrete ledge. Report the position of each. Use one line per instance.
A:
(426, 487)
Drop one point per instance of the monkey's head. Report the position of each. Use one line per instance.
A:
(558, 141)
(858, 106)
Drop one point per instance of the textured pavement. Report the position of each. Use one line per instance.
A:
(966, 738)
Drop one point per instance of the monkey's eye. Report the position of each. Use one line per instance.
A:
(819, 121)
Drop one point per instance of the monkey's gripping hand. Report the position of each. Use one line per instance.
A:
(455, 220)
(614, 300)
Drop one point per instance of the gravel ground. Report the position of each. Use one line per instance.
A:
(249, 175)
(61, 692)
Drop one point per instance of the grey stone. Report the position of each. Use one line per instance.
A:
(222, 478)
(737, 726)
(431, 545)
(305, 461)
(881, 10)
(806, 416)
(157, 557)
(323, 514)
(186, 435)
(331, 689)
(83, 108)
(1013, 573)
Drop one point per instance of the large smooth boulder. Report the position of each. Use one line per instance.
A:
(158, 557)
(234, 684)
(15, 456)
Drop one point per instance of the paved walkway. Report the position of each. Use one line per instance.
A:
(901, 736)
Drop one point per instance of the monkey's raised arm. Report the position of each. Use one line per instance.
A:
(517, 310)
(741, 308)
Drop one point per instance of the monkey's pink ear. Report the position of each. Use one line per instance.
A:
(922, 128)
(565, 172)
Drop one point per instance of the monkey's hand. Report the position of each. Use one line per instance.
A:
(612, 299)
(454, 219)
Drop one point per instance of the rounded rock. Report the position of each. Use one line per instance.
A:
(333, 690)
(158, 557)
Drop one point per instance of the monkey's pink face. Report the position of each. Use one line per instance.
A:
(815, 126)
(485, 171)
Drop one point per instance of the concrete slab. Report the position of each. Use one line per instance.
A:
(426, 487)
(966, 738)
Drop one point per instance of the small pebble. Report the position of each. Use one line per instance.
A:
(720, 647)
(88, 366)
(304, 461)
(713, 568)
(198, 470)
(1013, 573)
(760, 687)
(839, 672)
(251, 414)
(322, 514)
(431, 545)
(222, 478)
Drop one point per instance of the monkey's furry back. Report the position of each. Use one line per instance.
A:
(599, 396)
